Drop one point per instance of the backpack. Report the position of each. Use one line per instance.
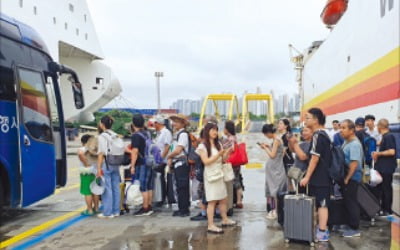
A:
(115, 150)
(152, 153)
(191, 154)
(369, 145)
(198, 167)
(338, 163)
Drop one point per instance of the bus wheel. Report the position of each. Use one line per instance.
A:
(1, 199)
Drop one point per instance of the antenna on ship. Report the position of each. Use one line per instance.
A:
(297, 60)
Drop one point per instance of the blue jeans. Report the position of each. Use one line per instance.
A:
(111, 196)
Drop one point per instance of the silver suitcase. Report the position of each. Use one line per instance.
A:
(299, 217)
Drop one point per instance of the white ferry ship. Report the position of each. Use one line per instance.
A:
(70, 36)
(355, 71)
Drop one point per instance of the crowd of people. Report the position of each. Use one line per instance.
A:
(175, 172)
(185, 159)
(363, 149)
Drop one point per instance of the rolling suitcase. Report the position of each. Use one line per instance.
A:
(337, 212)
(280, 205)
(368, 202)
(299, 219)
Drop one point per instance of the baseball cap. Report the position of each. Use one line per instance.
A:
(159, 119)
(360, 121)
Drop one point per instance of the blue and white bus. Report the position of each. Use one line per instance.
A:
(32, 132)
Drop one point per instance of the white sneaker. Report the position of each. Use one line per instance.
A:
(102, 216)
(271, 215)
(116, 215)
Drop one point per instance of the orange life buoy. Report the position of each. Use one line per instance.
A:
(333, 11)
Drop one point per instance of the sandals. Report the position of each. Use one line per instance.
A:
(215, 230)
(230, 223)
(87, 213)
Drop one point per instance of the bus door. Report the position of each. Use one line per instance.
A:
(37, 153)
(57, 121)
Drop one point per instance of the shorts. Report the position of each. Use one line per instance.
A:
(322, 195)
(145, 176)
(86, 179)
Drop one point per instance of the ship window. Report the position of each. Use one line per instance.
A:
(77, 31)
(99, 80)
(66, 26)
(21, 3)
(54, 20)
(35, 10)
(85, 18)
(86, 36)
(71, 7)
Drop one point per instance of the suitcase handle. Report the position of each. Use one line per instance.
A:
(297, 188)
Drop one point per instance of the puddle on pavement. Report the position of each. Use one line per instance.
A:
(251, 235)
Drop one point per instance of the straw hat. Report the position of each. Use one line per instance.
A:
(92, 148)
(179, 118)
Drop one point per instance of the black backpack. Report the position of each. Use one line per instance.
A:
(198, 166)
(338, 163)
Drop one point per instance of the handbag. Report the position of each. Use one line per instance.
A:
(375, 177)
(239, 155)
(228, 172)
(214, 174)
(295, 173)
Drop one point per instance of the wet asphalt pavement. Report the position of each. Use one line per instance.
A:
(162, 231)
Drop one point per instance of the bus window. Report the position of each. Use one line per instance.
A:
(52, 102)
(35, 109)
(7, 90)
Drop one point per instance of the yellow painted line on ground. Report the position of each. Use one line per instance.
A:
(253, 165)
(39, 228)
(66, 188)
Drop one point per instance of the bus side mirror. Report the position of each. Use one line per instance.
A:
(73, 78)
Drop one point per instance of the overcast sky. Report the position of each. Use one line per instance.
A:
(203, 47)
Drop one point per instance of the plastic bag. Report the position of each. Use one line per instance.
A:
(133, 195)
(375, 177)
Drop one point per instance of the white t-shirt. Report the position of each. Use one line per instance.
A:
(183, 141)
(331, 133)
(82, 168)
(83, 151)
(163, 139)
(375, 134)
(103, 140)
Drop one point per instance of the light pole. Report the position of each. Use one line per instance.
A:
(158, 75)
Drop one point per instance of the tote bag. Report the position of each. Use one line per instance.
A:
(239, 155)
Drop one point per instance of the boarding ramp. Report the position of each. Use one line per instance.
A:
(247, 125)
(219, 109)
